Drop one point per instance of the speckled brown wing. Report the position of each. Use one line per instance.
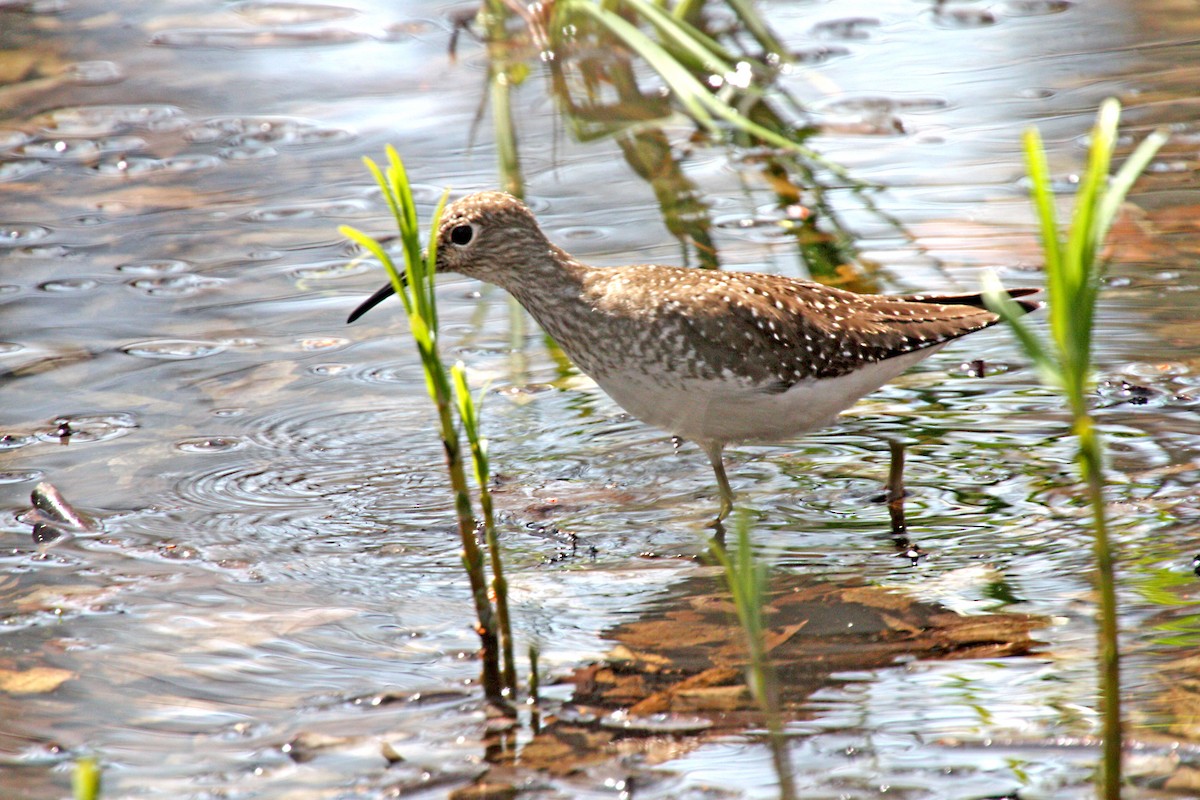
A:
(777, 331)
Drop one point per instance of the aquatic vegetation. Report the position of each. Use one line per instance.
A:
(720, 79)
(1073, 271)
(746, 577)
(455, 407)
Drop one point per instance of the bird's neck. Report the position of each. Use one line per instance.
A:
(552, 281)
(553, 290)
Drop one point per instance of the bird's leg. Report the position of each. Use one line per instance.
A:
(895, 503)
(895, 481)
(713, 451)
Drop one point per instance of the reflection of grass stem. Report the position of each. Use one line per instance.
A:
(1073, 270)
(747, 581)
(503, 74)
(749, 16)
(595, 49)
(535, 684)
(699, 102)
(416, 290)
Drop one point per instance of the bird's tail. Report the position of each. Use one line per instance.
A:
(976, 300)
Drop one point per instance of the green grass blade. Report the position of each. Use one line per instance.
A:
(689, 91)
(1073, 279)
(685, 9)
(754, 23)
(1079, 266)
(702, 50)
(1082, 240)
(1043, 197)
(465, 404)
(384, 185)
(999, 302)
(420, 306)
(468, 412)
(376, 249)
(1123, 181)
(698, 102)
(400, 188)
(429, 272)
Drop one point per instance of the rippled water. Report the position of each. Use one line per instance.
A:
(275, 553)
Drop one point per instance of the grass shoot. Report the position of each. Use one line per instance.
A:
(1074, 267)
(454, 404)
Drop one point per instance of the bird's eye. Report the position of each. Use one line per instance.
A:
(461, 234)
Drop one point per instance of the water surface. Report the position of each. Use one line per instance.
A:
(276, 554)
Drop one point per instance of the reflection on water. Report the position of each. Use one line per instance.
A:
(269, 601)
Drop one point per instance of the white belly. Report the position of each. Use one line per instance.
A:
(722, 411)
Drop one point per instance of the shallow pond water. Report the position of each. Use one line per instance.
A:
(275, 554)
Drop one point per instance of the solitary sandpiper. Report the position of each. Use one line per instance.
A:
(712, 357)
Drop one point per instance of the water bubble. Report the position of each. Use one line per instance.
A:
(13, 441)
(336, 209)
(583, 233)
(241, 131)
(332, 270)
(96, 427)
(1059, 184)
(142, 165)
(964, 17)
(12, 138)
(1167, 167)
(210, 444)
(60, 150)
(324, 343)
(66, 286)
(17, 234)
(882, 104)
(1035, 93)
(398, 373)
(158, 267)
(226, 38)
(95, 73)
(247, 152)
(818, 54)
(328, 370)
(173, 349)
(20, 475)
(180, 285)
(108, 120)
(45, 251)
(280, 13)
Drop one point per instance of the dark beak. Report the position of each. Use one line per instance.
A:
(384, 293)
